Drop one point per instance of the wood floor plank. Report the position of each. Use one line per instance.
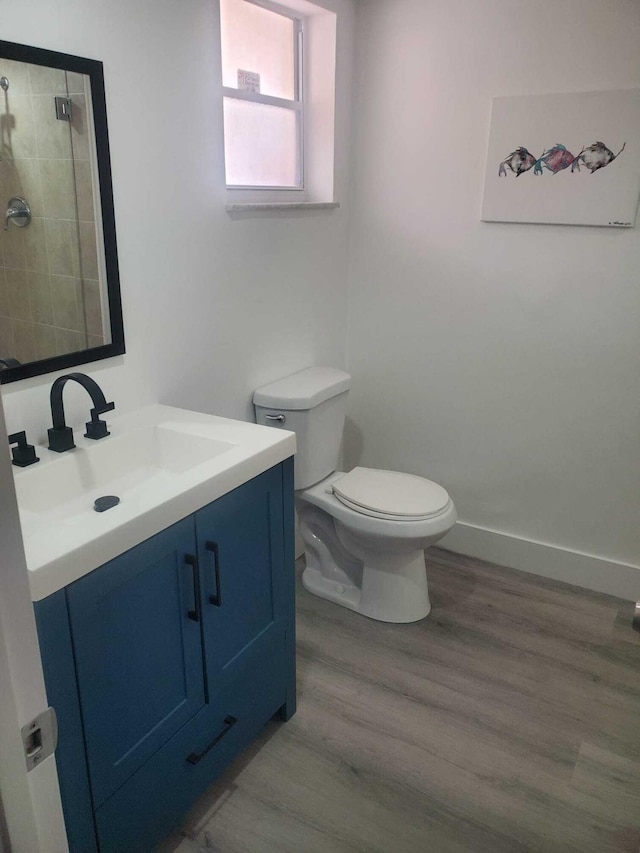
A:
(539, 606)
(457, 698)
(323, 801)
(612, 782)
(508, 721)
(486, 785)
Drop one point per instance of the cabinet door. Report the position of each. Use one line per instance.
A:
(241, 555)
(56, 650)
(138, 652)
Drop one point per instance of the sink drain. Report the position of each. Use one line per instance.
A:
(105, 502)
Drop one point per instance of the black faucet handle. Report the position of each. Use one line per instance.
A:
(61, 439)
(95, 427)
(24, 454)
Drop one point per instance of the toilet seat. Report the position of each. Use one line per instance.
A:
(390, 495)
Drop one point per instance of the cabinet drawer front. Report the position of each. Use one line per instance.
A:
(138, 653)
(151, 803)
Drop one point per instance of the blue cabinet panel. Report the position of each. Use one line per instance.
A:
(138, 654)
(144, 810)
(54, 636)
(241, 553)
(288, 589)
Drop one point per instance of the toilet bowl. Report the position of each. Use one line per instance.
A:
(364, 531)
(367, 560)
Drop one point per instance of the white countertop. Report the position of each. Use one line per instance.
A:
(65, 538)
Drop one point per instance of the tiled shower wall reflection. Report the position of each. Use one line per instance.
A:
(49, 281)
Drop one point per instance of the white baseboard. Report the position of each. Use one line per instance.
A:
(550, 561)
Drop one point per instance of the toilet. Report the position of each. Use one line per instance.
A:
(364, 531)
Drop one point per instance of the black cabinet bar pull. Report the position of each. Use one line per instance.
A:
(217, 598)
(229, 722)
(194, 614)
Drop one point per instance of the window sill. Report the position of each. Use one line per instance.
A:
(281, 205)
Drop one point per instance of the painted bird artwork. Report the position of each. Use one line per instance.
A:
(595, 157)
(555, 160)
(518, 161)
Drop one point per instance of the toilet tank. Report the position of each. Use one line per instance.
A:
(313, 404)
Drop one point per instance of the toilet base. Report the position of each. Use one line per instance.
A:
(315, 582)
(395, 593)
(395, 590)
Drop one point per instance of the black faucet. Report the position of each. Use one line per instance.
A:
(61, 435)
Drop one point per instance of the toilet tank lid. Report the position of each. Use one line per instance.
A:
(303, 390)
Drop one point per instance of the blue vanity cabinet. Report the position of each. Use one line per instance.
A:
(138, 655)
(181, 651)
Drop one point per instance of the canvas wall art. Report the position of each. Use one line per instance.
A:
(570, 159)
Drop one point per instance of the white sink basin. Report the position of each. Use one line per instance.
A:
(125, 465)
(162, 463)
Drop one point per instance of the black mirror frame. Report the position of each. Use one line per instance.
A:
(93, 69)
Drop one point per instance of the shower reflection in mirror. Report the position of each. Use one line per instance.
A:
(53, 298)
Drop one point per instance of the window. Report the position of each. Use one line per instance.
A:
(262, 95)
(278, 100)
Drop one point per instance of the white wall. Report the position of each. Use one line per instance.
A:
(213, 305)
(501, 360)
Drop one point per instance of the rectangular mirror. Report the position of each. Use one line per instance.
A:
(59, 285)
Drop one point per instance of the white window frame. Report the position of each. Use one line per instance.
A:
(297, 104)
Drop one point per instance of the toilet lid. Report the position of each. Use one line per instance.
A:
(390, 494)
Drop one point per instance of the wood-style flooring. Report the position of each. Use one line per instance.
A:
(507, 721)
